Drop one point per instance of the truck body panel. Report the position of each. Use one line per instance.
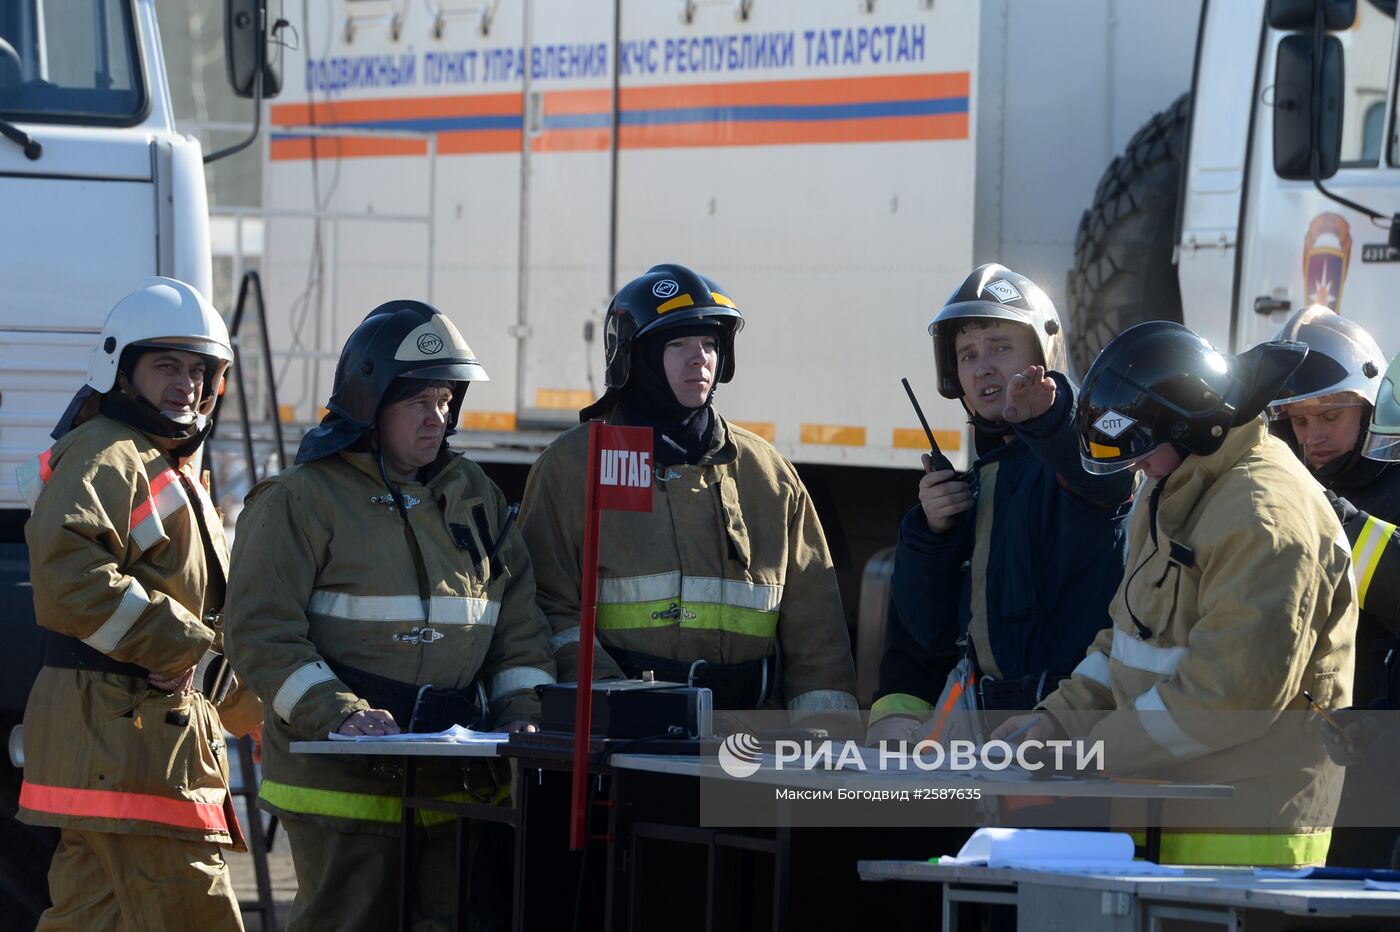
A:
(838, 169)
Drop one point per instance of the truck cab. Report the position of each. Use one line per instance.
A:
(98, 191)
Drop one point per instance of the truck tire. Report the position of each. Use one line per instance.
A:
(1123, 272)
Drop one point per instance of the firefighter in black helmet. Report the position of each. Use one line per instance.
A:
(380, 586)
(1237, 598)
(1016, 560)
(727, 582)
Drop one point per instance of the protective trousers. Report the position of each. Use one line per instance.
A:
(349, 881)
(133, 883)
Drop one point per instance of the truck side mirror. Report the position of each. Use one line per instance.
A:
(246, 49)
(1300, 15)
(1294, 144)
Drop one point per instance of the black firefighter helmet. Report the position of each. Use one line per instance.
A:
(995, 293)
(666, 296)
(1159, 382)
(400, 339)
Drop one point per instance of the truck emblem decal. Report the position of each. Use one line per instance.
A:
(666, 288)
(1326, 255)
(430, 344)
(1004, 290)
(1111, 423)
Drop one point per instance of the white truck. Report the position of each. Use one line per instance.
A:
(838, 165)
(98, 190)
(1212, 217)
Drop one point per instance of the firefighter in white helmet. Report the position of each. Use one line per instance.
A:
(123, 734)
(727, 583)
(380, 586)
(1322, 412)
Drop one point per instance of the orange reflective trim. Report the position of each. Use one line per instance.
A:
(158, 485)
(954, 695)
(112, 804)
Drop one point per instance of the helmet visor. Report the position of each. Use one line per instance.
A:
(1104, 467)
(1382, 447)
(200, 345)
(1110, 422)
(1318, 405)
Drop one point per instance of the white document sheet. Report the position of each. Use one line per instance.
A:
(454, 735)
(1061, 852)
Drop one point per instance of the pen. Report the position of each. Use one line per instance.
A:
(1326, 717)
(1022, 730)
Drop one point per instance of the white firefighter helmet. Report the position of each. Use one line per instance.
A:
(1343, 365)
(162, 313)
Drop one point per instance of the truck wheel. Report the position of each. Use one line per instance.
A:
(1123, 272)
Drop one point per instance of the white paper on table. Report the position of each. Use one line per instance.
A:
(1050, 850)
(454, 735)
(1388, 885)
(1089, 866)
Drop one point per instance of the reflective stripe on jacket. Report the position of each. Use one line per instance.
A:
(117, 560)
(323, 576)
(1026, 576)
(1247, 598)
(730, 561)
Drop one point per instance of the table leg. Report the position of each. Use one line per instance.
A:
(782, 874)
(520, 795)
(410, 776)
(1154, 831)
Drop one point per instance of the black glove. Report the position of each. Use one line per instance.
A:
(1350, 748)
(1345, 510)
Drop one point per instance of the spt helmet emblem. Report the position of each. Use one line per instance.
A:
(1111, 423)
(666, 288)
(1004, 290)
(430, 344)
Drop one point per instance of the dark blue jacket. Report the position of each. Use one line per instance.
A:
(1052, 564)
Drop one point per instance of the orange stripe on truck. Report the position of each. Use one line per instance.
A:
(811, 90)
(112, 804)
(833, 435)
(341, 112)
(343, 147)
(914, 438)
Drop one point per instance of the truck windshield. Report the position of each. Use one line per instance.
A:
(70, 61)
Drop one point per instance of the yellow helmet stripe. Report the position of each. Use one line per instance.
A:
(1101, 451)
(721, 299)
(676, 303)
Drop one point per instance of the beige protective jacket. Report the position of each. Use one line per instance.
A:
(730, 560)
(323, 575)
(1248, 595)
(118, 560)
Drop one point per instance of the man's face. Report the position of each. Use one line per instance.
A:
(1325, 430)
(171, 380)
(988, 356)
(690, 364)
(1160, 463)
(411, 430)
